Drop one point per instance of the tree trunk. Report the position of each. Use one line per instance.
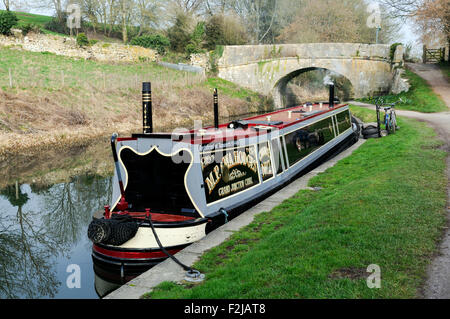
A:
(124, 22)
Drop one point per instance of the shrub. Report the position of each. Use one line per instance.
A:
(224, 30)
(197, 37)
(214, 56)
(158, 42)
(82, 39)
(58, 26)
(7, 20)
(29, 27)
(180, 33)
(393, 48)
(92, 42)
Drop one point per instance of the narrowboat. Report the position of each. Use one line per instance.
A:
(170, 190)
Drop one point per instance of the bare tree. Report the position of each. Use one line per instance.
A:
(147, 12)
(402, 8)
(7, 4)
(188, 6)
(331, 21)
(432, 17)
(124, 14)
(260, 16)
(58, 6)
(113, 13)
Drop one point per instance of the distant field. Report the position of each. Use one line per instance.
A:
(37, 19)
(40, 20)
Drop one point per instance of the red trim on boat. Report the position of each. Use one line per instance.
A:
(121, 139)
(157, 217)
(133, 254)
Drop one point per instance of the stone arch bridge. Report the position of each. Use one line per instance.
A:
(268, 68)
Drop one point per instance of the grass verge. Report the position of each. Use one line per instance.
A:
(364, 114)
(445, 68)
(420, 96)
(383, 205)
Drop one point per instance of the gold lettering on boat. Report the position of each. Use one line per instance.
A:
(229, 167)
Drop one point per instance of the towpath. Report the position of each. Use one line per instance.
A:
(437, 285)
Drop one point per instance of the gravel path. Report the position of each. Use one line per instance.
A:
(437, 285)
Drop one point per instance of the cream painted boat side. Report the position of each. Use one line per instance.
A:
(173, 236)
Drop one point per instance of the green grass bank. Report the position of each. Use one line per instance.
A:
(420, 96)
(383, 205)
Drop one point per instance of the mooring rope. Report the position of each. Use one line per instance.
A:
(186, 268)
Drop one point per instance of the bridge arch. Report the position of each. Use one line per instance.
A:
(283, 98)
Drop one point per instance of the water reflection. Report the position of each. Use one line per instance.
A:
(42, 231)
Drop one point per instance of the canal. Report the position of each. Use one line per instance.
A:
(46, 204)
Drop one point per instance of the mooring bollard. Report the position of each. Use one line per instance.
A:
(216, 109)
(147, 108)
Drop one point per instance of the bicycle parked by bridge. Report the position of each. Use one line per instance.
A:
(389, 119)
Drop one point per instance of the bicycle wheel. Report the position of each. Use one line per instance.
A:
(387, 123)
(394, 117)
(392, 123)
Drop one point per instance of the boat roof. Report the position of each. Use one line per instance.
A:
(251, 126)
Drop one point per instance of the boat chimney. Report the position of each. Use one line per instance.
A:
(216, 109)
(331, 99)
(147, 108)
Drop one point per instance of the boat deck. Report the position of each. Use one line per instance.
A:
(262, 124)
(286, 117)
(256, 125)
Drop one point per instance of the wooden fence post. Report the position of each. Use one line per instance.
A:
(10, 78)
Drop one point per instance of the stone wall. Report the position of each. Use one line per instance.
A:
(67, 46)
(400, 84)
(200, 60)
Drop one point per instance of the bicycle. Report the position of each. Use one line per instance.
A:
(390, 117)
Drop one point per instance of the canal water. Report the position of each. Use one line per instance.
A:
(46, 204)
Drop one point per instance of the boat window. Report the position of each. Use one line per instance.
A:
(265, 160)
(333, 119)
(305, 140)
(343, 121)
(277, 155)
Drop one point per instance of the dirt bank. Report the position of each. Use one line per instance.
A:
(30, 124)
